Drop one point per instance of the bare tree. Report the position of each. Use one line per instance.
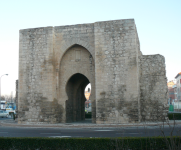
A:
(2, 98)
(8, 98)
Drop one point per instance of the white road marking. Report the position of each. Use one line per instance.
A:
(60, 136)
(50, 133)
(130, 133)
(103, 130)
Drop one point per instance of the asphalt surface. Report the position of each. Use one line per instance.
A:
(96, 132)
(89, 131)
(4, 118)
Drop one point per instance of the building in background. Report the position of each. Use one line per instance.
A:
(175, 92)
(88, 101)
(170, 84)
(177, 103)
(171, 92)
(87, 94)
(178, 84)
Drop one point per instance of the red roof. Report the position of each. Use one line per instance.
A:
(178, 74)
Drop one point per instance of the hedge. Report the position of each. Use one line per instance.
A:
(153, 143)
(174, 116)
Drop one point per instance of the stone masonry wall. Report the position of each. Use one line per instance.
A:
(64, 38)
(116, 71)
(41, 51)
(126, 85)
(153, 88)
(36, 89)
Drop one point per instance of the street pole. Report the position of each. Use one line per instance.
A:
(0, 84)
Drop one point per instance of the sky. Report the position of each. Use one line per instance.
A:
(158, 25)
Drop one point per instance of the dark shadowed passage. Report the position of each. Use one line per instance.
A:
(75, 105)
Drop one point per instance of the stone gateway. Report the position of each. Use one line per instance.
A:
(56, 64)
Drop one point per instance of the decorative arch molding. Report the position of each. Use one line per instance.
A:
(70, 75)
(71, 42)
(64, 75)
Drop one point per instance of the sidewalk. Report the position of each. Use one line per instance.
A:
(84, 124)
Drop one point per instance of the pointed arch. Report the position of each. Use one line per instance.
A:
(75, 104)
(66, 45)
(71, 91)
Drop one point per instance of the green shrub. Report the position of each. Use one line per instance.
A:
(174, 116)
(143, 143)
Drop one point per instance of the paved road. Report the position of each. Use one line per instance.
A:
(87, 132)
(9, 118)
(96, 132)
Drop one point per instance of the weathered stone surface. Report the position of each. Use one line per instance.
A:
(56, 64)
(153, 88)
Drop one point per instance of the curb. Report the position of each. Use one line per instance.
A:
(87, 125)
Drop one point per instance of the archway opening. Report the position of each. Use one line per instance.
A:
(88, 104)
(75, 105)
